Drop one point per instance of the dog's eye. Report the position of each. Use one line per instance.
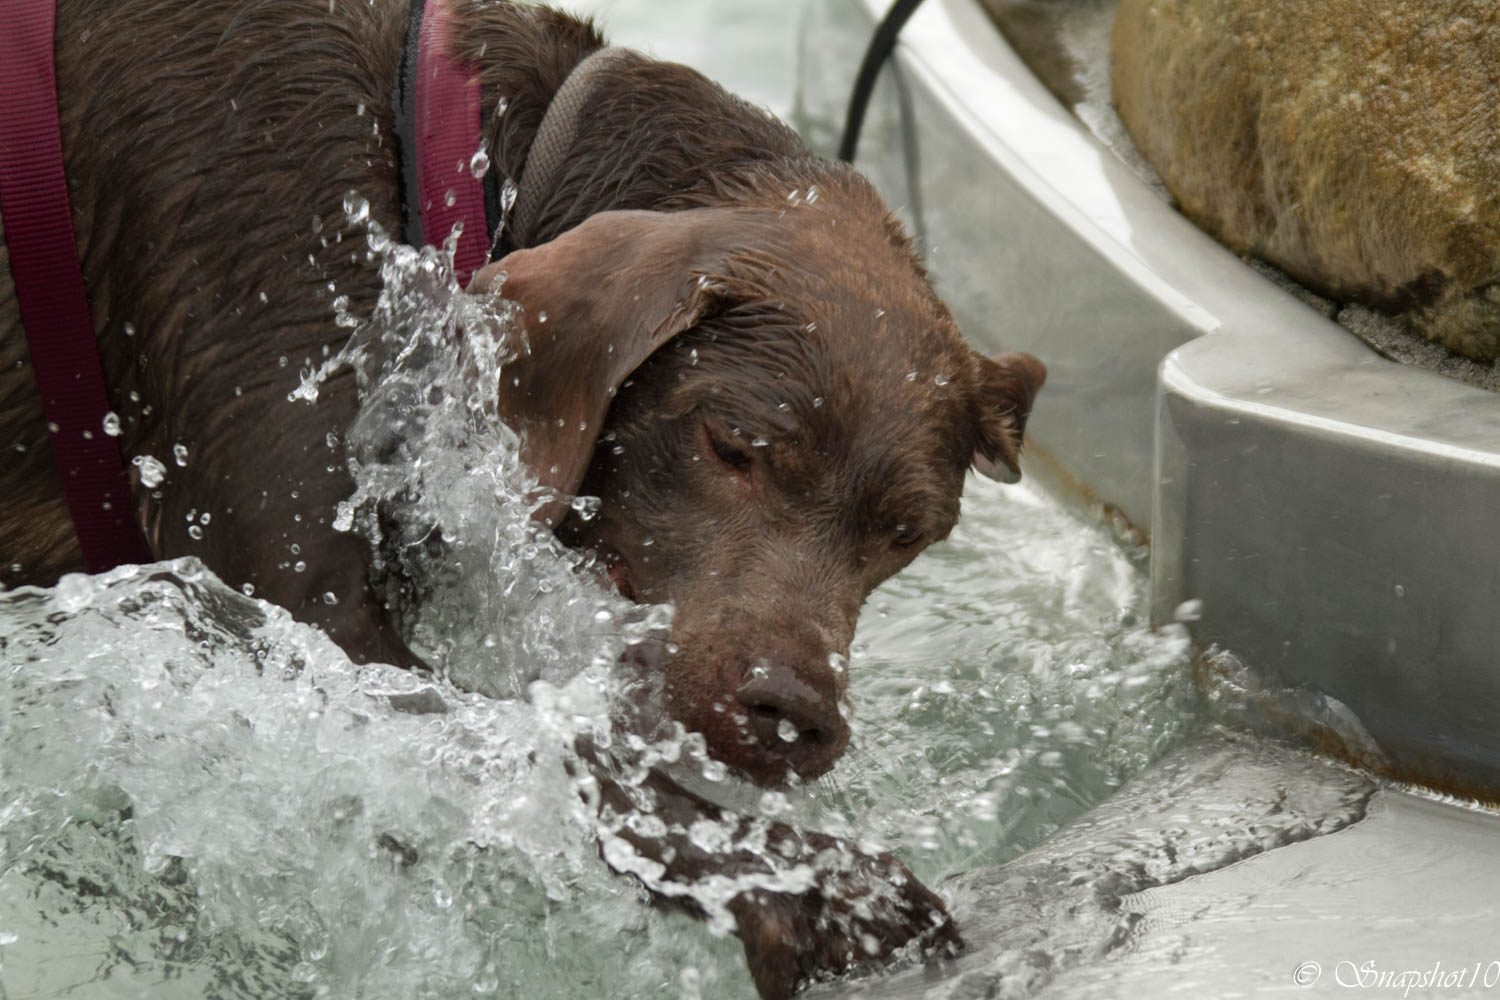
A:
(730, 455)
(906, 535)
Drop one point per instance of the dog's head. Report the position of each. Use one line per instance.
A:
(777, 413)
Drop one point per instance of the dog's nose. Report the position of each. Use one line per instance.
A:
(790, 715)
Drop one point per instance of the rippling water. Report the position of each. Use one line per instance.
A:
(202, 798)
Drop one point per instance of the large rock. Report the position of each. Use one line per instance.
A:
(1353, 143)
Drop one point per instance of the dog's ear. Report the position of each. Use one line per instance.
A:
(1007, 385)
(595, 303)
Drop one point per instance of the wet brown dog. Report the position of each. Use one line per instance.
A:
(789, 408)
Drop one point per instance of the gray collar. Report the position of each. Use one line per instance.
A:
(555, 137)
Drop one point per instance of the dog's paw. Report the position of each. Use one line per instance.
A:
(864, 910)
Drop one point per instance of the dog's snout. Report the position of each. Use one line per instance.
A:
(788, 714)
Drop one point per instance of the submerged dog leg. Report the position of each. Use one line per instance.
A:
(806, 906)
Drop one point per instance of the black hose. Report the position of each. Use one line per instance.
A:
(875, 56)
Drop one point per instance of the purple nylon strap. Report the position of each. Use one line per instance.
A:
(448, 129)
(50, 290)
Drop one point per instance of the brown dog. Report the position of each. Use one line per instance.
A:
(791, 409)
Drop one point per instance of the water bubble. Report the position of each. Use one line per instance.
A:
(329, 597)
(129, 329)
(112, 424)
(817, 401)
(179, 454)
(940, 380)
(151, 471)
(248, 589)
(450, 197)
(911, 376)
(774, 803)
(479, 164)
(74, 592)
(195, 532)
(299, 566)
(343, 517)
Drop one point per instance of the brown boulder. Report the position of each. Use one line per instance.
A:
(1353, 143)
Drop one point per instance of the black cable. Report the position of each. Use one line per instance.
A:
(864, 84)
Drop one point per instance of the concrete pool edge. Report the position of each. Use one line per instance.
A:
(1332, 511)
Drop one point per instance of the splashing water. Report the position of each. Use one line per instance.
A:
(201, 797)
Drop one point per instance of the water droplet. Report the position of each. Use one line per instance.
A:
(759, 442)
(329, 597)
(150, 470)
(693, 356)
(179, 454)
(296, 549)
(195, 532)
(357, 209)
(129, 329)
(205, 517)
(812, 194)
(879, 313)
(450, 197)
(941, 380)
(359, 110)
(541, 316)
(786, 731)
(1400, 590)
(248, 589)
(1189, 611)
(811, 328)
(112, 424)
(817, 401)
(479, 164)
(299, 566)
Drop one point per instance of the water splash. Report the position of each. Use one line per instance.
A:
(262, 818)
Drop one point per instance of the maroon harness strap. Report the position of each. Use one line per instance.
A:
(449, 131)
(50, 290)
